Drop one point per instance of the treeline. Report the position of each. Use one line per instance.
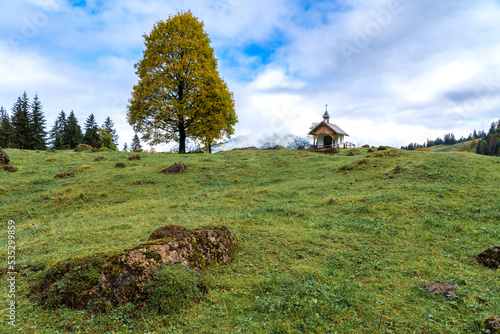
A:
(25, 129)
(485, 143)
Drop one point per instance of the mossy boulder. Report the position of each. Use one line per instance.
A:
(178, 167)
(83, 147)
(102, 281)
(4, 158)
(493, 324)
(134, 157)
(490, 257)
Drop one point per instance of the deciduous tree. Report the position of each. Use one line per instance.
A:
(180, 93)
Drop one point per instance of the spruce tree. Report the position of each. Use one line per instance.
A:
(125, 147)
(57, 132)
(109, 126)
(136, 144)
(92, 132)
(6, 129)
(38, 133)
(72, 135)
(21, 123)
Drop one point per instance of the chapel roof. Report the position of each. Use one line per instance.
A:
(333, 127)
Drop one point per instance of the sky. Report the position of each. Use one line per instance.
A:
(392, 72)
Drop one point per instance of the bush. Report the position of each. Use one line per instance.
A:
(172, 288)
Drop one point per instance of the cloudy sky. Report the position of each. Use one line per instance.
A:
(391, 71)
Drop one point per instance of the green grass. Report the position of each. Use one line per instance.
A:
(329, 243)
(449, 148)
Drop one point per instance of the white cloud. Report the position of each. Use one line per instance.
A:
(414, 68)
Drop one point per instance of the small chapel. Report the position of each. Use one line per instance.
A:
(326, 134)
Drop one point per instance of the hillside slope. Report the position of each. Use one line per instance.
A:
(339, 243)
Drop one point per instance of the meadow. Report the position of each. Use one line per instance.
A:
(329, 243)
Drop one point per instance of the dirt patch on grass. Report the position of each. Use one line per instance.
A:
(120, 165)
(490, 257)
(176, 168)
(102, 281)
(4, 157)
(64, 175)
(445, 289)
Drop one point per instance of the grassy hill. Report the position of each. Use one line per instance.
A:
(449, 148)
(329, 244)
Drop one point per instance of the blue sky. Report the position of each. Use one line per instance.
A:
(392, 72)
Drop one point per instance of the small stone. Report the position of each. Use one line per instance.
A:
(9, 168)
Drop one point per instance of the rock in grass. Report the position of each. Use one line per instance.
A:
(490, 257)
(120, 165)
(445, 289)
(493, 324)
(10, 168)
(64, 175)
(134, 157)
(176, 168)
(102, 281)
(83, 147)
(100, 159)
(4, 158)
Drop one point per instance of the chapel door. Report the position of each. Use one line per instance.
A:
(327, 141)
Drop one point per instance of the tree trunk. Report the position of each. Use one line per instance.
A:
(182, 140)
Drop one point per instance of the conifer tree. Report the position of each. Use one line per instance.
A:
(136, 144)
(109, 126)
(92, 132)
(57, 133)
(125, 147)
(38, 133)
(21, 123)
(72, 135)
(6, 129)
